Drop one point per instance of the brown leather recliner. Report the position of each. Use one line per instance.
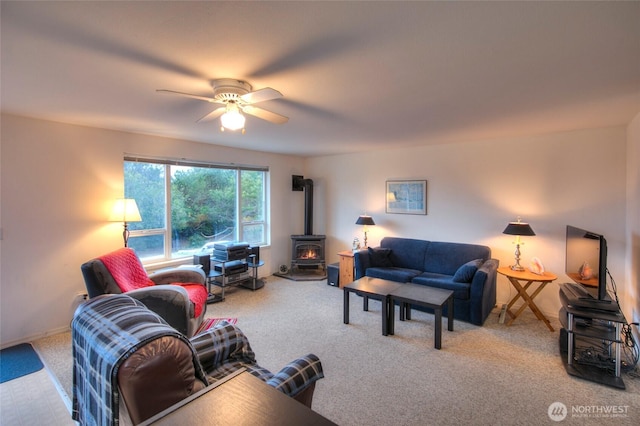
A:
(156, 376)
(158, 367)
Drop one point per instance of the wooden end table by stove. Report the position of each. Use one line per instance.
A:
(346, 268)
(517, 278)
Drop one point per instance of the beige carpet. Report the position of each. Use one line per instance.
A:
(490, 375)
(33, 399)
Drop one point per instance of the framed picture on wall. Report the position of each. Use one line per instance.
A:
(406, 196)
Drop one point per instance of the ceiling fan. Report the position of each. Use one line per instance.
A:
(237, 97)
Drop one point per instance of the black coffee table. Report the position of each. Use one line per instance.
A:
(374, 288)
(415, 294)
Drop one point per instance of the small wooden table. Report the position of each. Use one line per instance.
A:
(516, 278)
(346, 268)
(415, 294)
(374, 288)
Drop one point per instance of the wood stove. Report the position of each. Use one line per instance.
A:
(307, 250)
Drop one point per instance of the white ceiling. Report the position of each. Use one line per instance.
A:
(355, 75)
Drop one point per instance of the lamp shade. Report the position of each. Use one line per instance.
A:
(125, 210)
(365, 220)
(232, 119)
(518, 228)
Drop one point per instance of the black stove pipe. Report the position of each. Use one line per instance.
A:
(308, 207)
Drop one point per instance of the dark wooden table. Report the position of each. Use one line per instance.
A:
(242, 399)
(374, 288)
(415, 294)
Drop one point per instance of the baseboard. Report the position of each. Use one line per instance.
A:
(34, 337)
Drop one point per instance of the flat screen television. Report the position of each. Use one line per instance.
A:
(586, 261)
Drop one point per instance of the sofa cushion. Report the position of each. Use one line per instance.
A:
(446, 258)
(401, 275)
(406, 252)
(465, 273)
(380, 257)
(460, 290)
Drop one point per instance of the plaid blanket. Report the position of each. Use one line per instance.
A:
(105, 331)
(225, 349)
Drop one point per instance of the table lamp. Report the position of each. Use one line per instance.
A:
(518, 228)
(365, 220)
(125, 210)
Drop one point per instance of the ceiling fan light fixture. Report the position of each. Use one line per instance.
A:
(232, 119)
(238, 99)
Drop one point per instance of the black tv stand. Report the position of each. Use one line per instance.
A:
(578, 297)
(580, 324)
(596, 301)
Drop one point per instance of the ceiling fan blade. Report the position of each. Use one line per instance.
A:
(265, 115)
(309, 54)
(189, 95)
(213, 114)
(261, 95)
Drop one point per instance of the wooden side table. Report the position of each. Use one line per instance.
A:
(516, 278)
(346, 267)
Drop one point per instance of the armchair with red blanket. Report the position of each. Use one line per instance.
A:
(178, 295)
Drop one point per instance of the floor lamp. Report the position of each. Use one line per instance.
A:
(125, 210)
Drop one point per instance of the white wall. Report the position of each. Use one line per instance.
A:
(58, 184)
(631, 295)
(475, 188)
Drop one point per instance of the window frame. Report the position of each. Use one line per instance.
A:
(167, 163)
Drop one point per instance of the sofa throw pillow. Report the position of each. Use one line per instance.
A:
(465, 273)
(380, 257)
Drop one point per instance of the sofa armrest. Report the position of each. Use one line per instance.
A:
(223, 349)
(361, 261)
(179, 275)
(220, 345)
(483, 291)
(298, 375)
(171, 302)
(157, 375)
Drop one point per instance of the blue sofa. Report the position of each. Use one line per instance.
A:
(467, 269)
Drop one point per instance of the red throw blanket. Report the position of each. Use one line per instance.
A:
(129, 274)
(127, 270)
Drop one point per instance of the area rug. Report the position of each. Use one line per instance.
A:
(17, 361)
(212, 322)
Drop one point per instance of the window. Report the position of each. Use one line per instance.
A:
(186, 207)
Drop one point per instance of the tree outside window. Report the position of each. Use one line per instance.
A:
(186, 208)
